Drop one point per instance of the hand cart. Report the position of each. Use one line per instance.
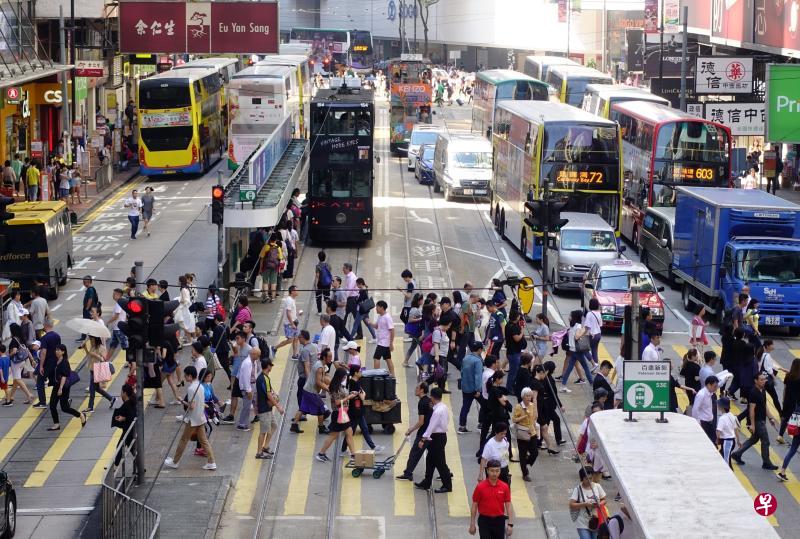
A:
(380, 467)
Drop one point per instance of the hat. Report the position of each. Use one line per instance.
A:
(351, 345)
(212, 286)
(37, 343)
(24, 311)
(475, 346)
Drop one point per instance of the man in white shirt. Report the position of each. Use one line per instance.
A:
(327, 335)
(351, 289)
(704, 409)
(118, 315)
(652, 352)
(38, 311)
(489, 366)
(245, 380)
(436, 435)
(291, 323)
(385, 337)
(195, 419)
(134, 206)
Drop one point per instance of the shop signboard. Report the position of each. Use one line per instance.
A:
(743, 119)
(695, 109)
(673, 55)
(89, 68)
(724, 75)
(13, 95)
(77, 130)
(770, 163)
(645, 386)
(783, 103)
(776, 25)
(37, 149)
(199, 27)
(731, 22)
(651, 16)
(670, 88)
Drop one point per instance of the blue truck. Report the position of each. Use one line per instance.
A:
(726, 238)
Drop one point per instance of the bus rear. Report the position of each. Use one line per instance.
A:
(256, 106)
(168, 142)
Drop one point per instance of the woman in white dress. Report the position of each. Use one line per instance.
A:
(183, 316)
(13, 315)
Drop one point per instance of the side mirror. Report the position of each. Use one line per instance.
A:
(590, 286)
(659, 289)
(664, 242)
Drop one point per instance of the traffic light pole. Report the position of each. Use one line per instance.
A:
(545, 237)
(220, 242)
(139, 276)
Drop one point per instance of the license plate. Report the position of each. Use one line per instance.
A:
(468, 191)
(480, 191)
(772, 320)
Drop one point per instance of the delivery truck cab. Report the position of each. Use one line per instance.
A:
(726, 238)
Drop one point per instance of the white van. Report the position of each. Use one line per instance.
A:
(587, 238)
(462, 165)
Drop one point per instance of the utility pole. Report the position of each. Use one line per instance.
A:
(635, 330)
(65, 110)
(545, 236)
(604, 31)
(138, 266)
(72, 76)
(221, 241)
(660, 46)
(684, 55)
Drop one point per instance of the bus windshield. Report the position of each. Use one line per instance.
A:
(692, 141)
(571, 143)
(588, 240)
(157, 94)
(340, 183)
(473, 159)
(576, 88)
(768, 265)
(522, 90)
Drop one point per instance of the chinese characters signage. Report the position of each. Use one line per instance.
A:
(683, 172)
(741, 118)
(199, 27)
(645, 386)
(583, 177)
(89, 68)
(724, 75)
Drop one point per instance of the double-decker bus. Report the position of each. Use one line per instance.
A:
(570, 81)
(537, 66)
(361, 52)
(227, 68)
(259, 99)
(181, 124)
(665, 148)
(410, 91)
(329, 48)
(598, 98)
(575, 154)
(340, 176)
(301, 67)
(496, 85)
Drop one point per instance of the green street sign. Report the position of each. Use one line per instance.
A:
(247, 193)
(783, 103)
(645, 386)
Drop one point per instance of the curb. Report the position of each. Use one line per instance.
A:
(217, 509)
(104, 195)
(550, 528)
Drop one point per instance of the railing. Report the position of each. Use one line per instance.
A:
(103, 176)
(123, 517)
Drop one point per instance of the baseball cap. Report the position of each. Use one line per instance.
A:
(37, 344)
(24, 311)
(351, 345)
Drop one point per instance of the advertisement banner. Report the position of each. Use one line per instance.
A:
(673, 55)
(166, 119)
(724, 75)
(732, 22)
(672, 16)
(776, 24)
(199, 27)
(634, 40)
(741, 118)
(89, 68)
(783, 103)
(651, 16)
(562, 10)
(266, 158)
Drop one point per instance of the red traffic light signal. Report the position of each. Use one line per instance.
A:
(217, 204)
(217, 192)
(134, 307)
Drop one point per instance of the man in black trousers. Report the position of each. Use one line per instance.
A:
(435, 437)
(424, 410)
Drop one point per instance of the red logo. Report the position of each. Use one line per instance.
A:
(12, 93)
(735, 71)
(765, 504)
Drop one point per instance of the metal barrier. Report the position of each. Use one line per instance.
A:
(103, 176)
(123, 517)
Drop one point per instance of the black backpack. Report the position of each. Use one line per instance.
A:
(263, 347)
(603, 530)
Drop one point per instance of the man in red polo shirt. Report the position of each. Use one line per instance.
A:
(492, 501)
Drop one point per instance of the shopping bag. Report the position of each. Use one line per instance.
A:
(101, 372)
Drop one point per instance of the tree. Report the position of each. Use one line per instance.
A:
(424, 15)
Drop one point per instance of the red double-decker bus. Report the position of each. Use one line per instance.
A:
(664, 148)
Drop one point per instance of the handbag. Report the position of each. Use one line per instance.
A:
(101, 372)
(73, 378)
(522, 433)
(583, 343)
(257, 286)
(342, 418)
(793, 425)
(215, 364)
(366, 306)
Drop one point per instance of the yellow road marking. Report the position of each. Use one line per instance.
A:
(458, 500)
(404, 499)
(250, 471)
(113, 199)
(66, 436)
(521, 498)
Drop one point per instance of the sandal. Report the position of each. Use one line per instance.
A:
(54, 428)
(27, 401)
(83, 419)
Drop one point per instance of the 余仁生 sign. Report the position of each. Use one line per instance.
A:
(645, 386)
(199, 27)
(89, 68)
(740, 118)
(783, 103)
(724, 75)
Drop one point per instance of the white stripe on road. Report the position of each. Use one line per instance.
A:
(71, 296)
(56, 308)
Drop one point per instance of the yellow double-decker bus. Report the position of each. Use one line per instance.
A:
(573, 153)
(181, 121)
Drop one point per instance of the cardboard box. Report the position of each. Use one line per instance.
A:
(365, 458)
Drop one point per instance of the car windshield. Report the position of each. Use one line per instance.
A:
(423, 137)
(768, 265)
(426, 152)
(588, 240)
(474, 159)
(619, 280)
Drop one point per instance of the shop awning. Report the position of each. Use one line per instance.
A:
(30, 74)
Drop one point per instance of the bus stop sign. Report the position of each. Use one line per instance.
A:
(645, 386)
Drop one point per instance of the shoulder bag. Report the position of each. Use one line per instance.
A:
(794, 422)
(366, 306)
(583, 343)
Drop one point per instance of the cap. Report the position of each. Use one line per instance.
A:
(37, 343)
(87, 277)
(24, 311)
(212, 286)
(351, 345)
(475, 346)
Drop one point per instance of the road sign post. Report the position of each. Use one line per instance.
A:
(645, 387)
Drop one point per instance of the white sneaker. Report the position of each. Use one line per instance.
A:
(212, 466)
(371, 341)
(565, 389)
(379, 449)
(169, 463)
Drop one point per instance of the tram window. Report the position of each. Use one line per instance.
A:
(364, 123)
(340, 183)
(340, 122)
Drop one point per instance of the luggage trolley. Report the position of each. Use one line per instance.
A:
(380, 387)
(379, 467)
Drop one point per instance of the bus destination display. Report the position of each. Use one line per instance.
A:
(682, 172)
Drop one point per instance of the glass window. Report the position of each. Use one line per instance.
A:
(156, 94)
(764, 265)
(692, 141)
(167, 138)
(573, 143)
(588, 240)
(341, 183)
(617, 280)
(604, 205)
(419, 137)
(340, 122)
(473, 160)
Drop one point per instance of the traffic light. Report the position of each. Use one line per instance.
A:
(554, 208)
(135, 327)
(217, 204)
(5, 215)
(545, 214)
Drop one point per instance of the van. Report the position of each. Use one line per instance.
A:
(656, 240)
(462, 165)
(587, 238)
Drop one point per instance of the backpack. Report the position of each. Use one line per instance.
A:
(565, 341)
(263, 347)
(427, 343)
(272, 260)
(325, 277)
(603, 530)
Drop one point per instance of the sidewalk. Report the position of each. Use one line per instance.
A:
(789, 194)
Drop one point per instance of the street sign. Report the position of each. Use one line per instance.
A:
(247, 192)
(645, 386)
(783, 103)
(90, 68)
(13, 95)
(455, 55)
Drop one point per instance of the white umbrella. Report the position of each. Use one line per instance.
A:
(89, 327)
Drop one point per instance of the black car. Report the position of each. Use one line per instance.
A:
(8, 501)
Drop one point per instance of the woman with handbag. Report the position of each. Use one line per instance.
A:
(99, 370)
(794, 430)
(340, 419)
(524, 418)
(587, 498)
(791, 396)
(413, 328)
(63, 378)
(580, 348)
(364, 304)
(18, 354)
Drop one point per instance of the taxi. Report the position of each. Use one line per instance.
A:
(611, 283)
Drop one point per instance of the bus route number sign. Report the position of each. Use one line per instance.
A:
(580, 176)
(684, 172)
(645, 386)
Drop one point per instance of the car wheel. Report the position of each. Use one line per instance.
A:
(503, 225)
(11, 518)
(62, 278)
(688, 304)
